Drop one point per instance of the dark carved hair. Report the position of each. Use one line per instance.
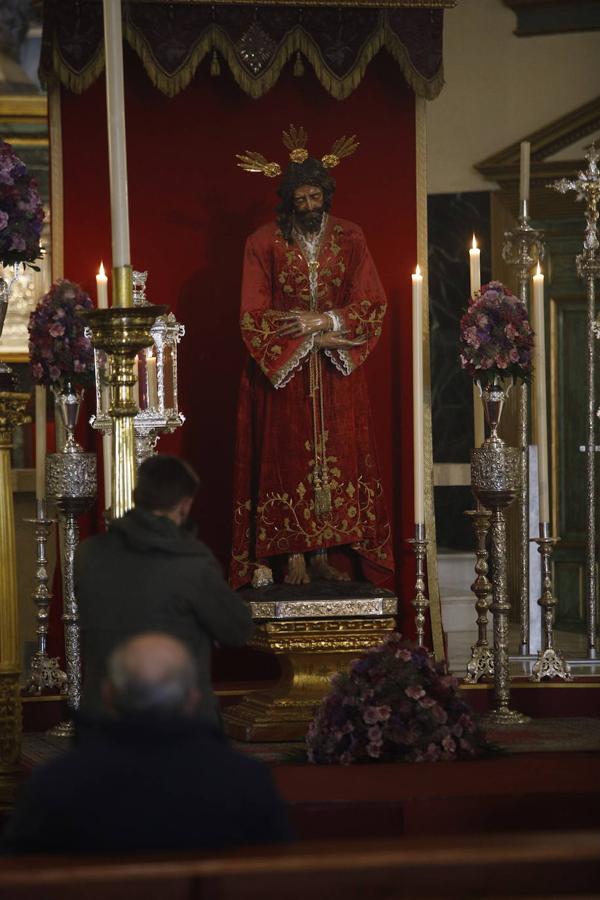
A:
(310, 172)
(163, 481)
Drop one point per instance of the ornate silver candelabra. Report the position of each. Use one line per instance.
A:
(71, 484)
(481, 662)
(523, 248)
(550, 662)
(587, 188)
(421, 601)
(45, 673)
(495, 480)
(156, 389)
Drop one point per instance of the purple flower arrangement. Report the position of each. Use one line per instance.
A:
(21, 211)
(58, 348)
(496, 337)
(394, 705)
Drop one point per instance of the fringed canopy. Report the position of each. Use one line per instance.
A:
(255, 42)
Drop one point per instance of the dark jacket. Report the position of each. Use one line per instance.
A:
(146, 574)
(135, 785)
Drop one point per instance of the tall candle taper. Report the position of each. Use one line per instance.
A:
(475, 281)
(524, 177)
(117, 155)
(475, 267)
(417, 351)
(40, 442)
(102, 288)
(539, 376)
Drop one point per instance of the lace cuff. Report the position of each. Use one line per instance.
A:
(336, 320)
(287, 372)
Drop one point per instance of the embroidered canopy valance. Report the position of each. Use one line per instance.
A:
(254, 41)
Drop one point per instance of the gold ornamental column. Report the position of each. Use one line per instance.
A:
(12, 414)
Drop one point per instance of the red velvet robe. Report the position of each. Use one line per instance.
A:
(278, 507)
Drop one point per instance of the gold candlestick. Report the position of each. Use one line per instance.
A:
(12, 414)
(122, 332)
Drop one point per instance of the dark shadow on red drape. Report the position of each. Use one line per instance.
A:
(190, 211)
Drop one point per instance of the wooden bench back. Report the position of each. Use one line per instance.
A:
(523, 865)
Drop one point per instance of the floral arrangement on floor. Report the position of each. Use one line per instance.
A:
(496, 336)
(394, 705)
(21, 211)
(59, 351)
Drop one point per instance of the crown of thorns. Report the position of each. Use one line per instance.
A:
(296, 140)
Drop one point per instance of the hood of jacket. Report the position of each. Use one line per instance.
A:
(142, 530)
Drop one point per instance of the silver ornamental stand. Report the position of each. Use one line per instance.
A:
(495, 480)
(420, 601)
(481, 662)
(71, 485)
(45, 673)
(523, 247)
(587, 186)
(550, 662)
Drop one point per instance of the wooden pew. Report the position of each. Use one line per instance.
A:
(545, 864)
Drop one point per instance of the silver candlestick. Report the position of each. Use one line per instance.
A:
(587, 187)
(481, 662)
(421, 601)
(523, 247)
(45, 673)
(550, 662)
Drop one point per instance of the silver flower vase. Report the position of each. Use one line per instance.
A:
(494, 396)
(71, 485)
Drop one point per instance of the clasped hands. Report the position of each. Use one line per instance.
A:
(298, 323)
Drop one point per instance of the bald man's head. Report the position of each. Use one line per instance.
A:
(151, 674)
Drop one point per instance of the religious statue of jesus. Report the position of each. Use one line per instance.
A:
(306, 477)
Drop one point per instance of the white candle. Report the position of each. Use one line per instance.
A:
(475, 267)
(117, 156)
(152, 382)
(524, 176)
(475, 279)
(417, 353)
(539, 380)
(40, 442)
(102, 288)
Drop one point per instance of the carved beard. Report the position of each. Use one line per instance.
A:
(309, 221)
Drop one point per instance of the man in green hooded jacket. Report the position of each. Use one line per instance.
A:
(148, 573)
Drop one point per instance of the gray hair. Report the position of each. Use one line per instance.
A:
(152, 674)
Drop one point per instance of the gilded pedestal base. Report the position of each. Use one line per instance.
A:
(310, 652)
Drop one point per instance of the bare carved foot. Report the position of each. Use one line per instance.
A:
(320, 568)
(296, 573)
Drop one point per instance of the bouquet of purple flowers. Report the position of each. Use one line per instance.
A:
(394, 705)
(58, 348)
(496, 337)
(21, 211)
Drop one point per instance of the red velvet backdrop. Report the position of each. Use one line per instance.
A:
(190, 211)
